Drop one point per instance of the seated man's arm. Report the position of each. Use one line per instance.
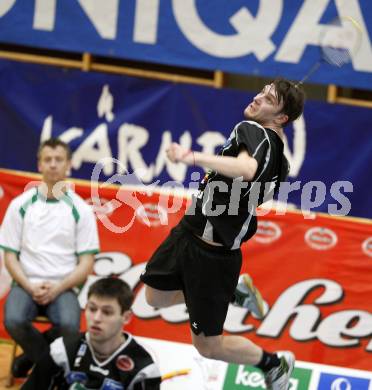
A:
(11, 242)
(15, 270)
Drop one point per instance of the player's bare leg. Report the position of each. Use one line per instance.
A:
(232, 349)
(239, 350)
(159, 298)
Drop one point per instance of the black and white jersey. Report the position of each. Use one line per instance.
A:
(224, 209)
(71, 364)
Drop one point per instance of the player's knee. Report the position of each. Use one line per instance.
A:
(19, 329)
(206, 349)
(14, 324)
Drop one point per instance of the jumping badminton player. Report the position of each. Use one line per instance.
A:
(199, 262)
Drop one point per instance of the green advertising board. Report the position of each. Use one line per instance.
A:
(240, 377)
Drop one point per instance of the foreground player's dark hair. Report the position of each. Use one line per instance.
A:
(113, 288)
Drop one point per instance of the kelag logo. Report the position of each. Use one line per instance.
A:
(338, 382)
(240, 377)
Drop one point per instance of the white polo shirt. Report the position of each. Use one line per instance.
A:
(48, 235)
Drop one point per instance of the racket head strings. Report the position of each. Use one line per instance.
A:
(340, 40)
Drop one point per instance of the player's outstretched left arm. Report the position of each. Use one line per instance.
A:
(241, 166)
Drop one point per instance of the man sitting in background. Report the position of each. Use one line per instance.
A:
(103, 358)
(49, 236)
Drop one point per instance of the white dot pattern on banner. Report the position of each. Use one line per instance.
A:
(267, 232)
(367, 246)
(320, 238)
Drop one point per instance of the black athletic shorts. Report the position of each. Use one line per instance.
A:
(206, 274)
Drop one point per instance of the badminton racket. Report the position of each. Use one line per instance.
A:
(339, 41)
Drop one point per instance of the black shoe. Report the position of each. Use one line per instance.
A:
(21, 366)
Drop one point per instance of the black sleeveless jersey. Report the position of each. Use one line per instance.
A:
(71, 364)
(224, 209)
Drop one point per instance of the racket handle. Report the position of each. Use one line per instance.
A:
(314, 68)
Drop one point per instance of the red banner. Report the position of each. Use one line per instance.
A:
(314, 273)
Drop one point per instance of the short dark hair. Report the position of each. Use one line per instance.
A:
(113, 288)
(53, 143)
(293, 97)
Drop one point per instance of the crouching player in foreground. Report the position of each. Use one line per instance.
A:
(104, 357)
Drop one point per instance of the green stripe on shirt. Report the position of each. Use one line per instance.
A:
(7, 249)
(90, 251)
